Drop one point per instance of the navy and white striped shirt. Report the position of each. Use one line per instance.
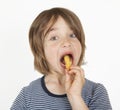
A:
(37, 97)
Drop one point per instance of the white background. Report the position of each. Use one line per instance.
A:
(101, 23)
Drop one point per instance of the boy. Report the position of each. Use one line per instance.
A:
(57, 41)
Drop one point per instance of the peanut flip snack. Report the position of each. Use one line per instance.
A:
(67, 61)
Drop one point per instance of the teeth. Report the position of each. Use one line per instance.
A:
(67, 61)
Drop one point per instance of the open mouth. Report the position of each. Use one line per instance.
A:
(63, 62)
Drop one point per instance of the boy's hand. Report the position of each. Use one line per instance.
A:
(74, 81)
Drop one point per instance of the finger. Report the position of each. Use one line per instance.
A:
(77, 71)
(77, 74)
(68, 81)
(77, 67)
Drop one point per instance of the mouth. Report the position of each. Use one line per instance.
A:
(62, 62)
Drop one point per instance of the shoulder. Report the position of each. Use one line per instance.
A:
(91, 88)
(97, 89)
(92, 85)
(34, 83)
(96, 96)
(23, 99)
(33, 86)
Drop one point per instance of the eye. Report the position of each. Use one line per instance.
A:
(53, 38)
(73, 35)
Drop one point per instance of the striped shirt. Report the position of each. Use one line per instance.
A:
(36, 96)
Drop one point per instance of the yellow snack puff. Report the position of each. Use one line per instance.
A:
(67, 62)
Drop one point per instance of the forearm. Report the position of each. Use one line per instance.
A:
(77, 103)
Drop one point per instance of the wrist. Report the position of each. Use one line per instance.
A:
(73, 99)
(77, 102)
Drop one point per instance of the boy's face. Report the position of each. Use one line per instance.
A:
(59, 42)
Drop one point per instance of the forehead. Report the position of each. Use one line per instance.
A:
(60, 23)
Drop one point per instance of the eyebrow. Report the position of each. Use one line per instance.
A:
(52, 29)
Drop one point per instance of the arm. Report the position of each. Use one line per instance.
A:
(77, 103)
(74, 84)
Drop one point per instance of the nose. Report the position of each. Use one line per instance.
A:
(66, 44)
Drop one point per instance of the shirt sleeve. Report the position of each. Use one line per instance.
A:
(100, 99)
(19, 103)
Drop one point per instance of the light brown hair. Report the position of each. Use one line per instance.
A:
(41, 26)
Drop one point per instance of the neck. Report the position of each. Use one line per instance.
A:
(56, 77)
(55, 83)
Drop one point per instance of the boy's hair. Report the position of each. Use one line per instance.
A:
(41, 26)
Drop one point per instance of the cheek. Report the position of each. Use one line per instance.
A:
(78, 49)
(50, 53)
